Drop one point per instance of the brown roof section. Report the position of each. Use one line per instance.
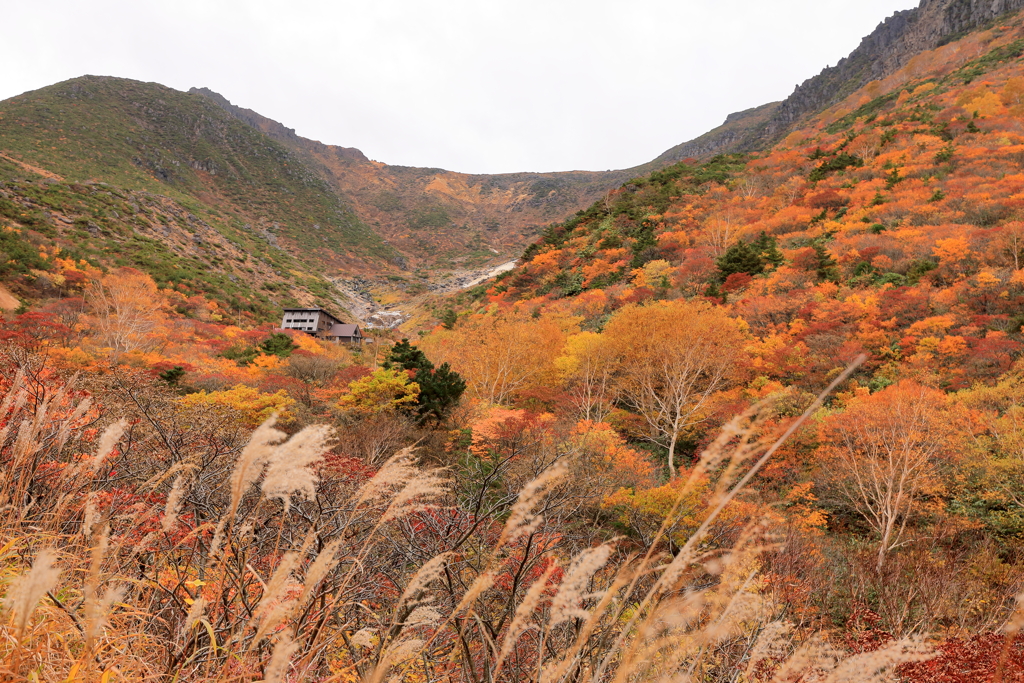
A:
(344, 330)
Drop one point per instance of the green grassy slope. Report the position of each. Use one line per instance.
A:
(109, 226)
(146, 137)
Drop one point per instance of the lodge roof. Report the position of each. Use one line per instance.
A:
(344, 330)
(314, 309)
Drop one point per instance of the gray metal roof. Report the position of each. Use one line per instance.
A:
(344, 330)
(311, 310)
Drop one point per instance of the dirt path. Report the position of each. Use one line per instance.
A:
(30, 168)
(8, 302)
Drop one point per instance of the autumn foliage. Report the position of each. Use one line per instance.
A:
(618, 462)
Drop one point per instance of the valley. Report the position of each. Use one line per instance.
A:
(752, 412)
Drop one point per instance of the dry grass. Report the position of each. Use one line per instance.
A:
(251, 564)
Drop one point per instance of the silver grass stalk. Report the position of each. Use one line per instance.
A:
(415, 495)
(878, 666)
(289, 470)
(424, 614)
(420, 580)
(396, 471)
(67, 425)
(479, 585)
(15, 392)
(173, 506)
(772, 643)
(276, 614)
(281, 658)
(251, 461)
(218, 538)
(195, 613)
(813, 660)
(271, 611)
(564, 606)
(98, 609)
(1016, 620)
(396, 653)
(520, 621)
(523, 520)
(363, 637)
(26, 443)
(322, 565)
(91, 516)
(111, 435)
(27, 590)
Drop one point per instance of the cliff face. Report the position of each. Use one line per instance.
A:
(725, 138)
(887, 49)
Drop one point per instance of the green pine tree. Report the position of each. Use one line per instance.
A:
(440, 391)
(740, 258)
(828, 269)
(440, 388)
(173, 375)
(449, 318)
(767, 249)
(278, 344)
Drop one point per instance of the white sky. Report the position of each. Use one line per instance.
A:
(483, 86)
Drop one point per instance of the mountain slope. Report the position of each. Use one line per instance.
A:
(145, 140)
(145, 136)
(889, 48)
(889, 224)
(439, 218)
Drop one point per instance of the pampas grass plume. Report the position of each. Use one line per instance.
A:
(195, 613)
(280, 659)
(26, 591)
(422, 578)
(525, 609)
(173, 507)
(414, 496)
(97, 610)
(395, 472)
(564, 606)
(91, 517)
(322, 565)
(106, 444)
(252, 460)
(523, 520)
(289, 470)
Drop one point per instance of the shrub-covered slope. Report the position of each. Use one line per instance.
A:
(144, 136)
(55, 234)
(890, 224)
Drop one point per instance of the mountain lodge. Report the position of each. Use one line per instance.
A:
(320, 323)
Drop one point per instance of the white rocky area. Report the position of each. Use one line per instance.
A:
(471, 278)
(374, 316)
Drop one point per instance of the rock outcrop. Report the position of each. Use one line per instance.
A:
(886, 50)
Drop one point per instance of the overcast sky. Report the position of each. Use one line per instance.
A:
(483, 86)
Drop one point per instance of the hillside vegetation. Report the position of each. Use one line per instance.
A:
(754, 418)
(123, 173)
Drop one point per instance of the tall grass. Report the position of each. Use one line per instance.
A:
(218, 559)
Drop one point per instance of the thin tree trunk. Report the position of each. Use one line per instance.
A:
(672, 452)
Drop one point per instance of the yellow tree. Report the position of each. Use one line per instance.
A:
(500, 355)
(672, 357)
(885, 455)
(382, 391)
(127, 309)
(251, 405)
(587, 366)
(1000, 412)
